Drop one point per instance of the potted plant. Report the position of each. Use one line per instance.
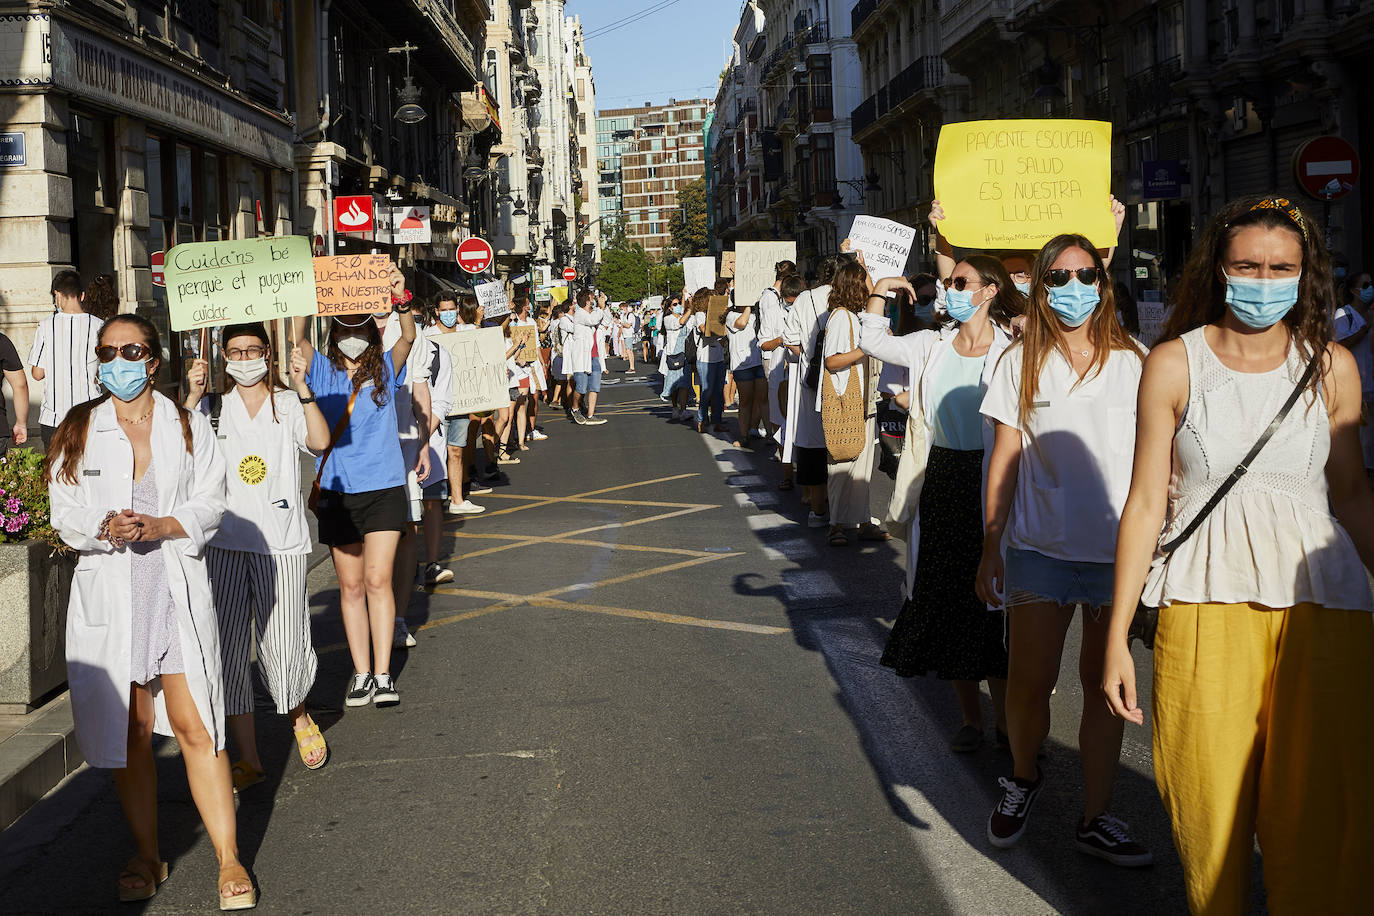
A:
(35, 582)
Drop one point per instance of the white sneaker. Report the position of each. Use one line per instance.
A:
(537, 436)
(466, 507)
(401, 637)
(817, 521)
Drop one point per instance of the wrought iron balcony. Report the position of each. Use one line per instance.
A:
(862, 10)
(1152, 90)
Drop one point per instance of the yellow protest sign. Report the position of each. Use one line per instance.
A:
(215, 283)
(1017, 184)
(353, 284)
(559, 294)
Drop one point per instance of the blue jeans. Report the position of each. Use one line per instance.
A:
(711, 377)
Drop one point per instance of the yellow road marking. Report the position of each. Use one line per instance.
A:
(541, 501)
(630, 577)
(603, 502)
(661, 618)
(503, 605)
(530, 540)
(560, 539)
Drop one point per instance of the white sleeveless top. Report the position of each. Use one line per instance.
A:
(1272, 540)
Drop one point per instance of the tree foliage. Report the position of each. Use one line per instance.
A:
(624, 273)
(691, 237)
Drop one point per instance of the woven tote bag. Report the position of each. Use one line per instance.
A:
(843, 415)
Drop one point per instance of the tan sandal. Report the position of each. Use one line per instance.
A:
(244, 901)
(308, 740)
(137, 868)
(245, 775)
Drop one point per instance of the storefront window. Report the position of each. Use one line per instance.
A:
(90, 160)
(185, 195)
(262, 200)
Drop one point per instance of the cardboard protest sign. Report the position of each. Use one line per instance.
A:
(754, 262)
(529, 336)
(886, 245)
(492, 297)
(262, 279)
(353, 284)
(1017, 184)
(479, 369)
(698, 273)
(716, 307)
(727, 264)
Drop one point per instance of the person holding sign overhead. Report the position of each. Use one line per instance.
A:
(1062, 401)
(257, 559)
(137, 488)
(362, 502)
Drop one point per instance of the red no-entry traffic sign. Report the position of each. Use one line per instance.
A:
(569, 274)
(157, 259)
(475, 255)
(1326, 167)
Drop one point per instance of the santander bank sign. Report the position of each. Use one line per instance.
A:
(353, 214)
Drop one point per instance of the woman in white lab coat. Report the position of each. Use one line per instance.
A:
(137, 487)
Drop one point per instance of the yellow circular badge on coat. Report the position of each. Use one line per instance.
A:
(252, 470)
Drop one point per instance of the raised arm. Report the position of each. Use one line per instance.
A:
(400, 351)
(944, 251)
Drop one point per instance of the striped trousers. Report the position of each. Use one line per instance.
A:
(262, 595)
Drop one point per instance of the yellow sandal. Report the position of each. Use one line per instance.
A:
(309, 740)
(245, 775)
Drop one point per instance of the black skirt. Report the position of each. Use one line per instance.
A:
(944, 629)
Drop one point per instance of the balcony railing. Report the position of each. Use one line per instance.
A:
(962, 17)
(862, 10)
(783, 52)
(924, 73)
(863, 116)
(1151, 90)
(818, 33)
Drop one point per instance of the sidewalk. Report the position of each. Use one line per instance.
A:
(38, 750)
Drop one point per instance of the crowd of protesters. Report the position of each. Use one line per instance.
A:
(1210, 493)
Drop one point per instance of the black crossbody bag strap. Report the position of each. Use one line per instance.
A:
(1244, 466)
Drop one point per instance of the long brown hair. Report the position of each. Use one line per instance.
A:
(370, 365)
(101, 299)
(1043, 332)
(699, 302)
(1201, 296)
(849, 290)
(69, 441)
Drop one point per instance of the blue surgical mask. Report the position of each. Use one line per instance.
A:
(448, 317)
(1023, 287)
(1258, 303)
(124, 378)
(1074, 301)
(1367, 294)
(959, 304)
(677, 310)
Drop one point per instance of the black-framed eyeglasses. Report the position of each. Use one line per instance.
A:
(1086, 275)
(239, 353)
(133, 352)
(959, 283)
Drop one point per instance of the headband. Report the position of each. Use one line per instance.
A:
(1283, 205)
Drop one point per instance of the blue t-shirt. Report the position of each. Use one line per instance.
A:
(368, 455)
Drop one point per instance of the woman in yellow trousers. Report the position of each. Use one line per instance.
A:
(1264, 656)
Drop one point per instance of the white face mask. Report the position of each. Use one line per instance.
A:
(247, 372)
(353, 347)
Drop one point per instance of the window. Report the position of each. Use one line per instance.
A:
(90, 159)
(213, 206)
(581, 90)
(823, 162)
(492, 75)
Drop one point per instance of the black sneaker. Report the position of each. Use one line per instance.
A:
(476, 488)
(385, 694)
(1107, 838)
(360, 691)
(1008, 820)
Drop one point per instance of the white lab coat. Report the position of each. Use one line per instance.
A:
(577, 350)
(190, 489)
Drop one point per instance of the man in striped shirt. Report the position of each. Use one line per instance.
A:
(63, 354)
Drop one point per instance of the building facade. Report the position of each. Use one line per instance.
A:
(513, 85)
(646, 168)
(615, 136)
(587, 244)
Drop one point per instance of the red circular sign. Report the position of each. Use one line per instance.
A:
(1326, 167)
(157, 259)
(475, 255)
(569, 274)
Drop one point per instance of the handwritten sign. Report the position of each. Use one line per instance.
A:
(754, 263)
(492, 297)
(479, 369)
(1017, 184)
(527, 334)
(727, 264)
(698, 273)
(886, 245)
(716, 307)
(262, 279)
(353, 284)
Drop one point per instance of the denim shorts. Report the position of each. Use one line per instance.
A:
(457, 432)
(586, 382)
(751, 374)
(1035, 578)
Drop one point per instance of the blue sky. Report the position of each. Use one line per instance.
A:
(676, 52)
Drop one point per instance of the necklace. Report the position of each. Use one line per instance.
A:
(137, 421)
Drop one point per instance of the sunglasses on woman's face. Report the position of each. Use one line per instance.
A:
(958, 283)
(1086, 275)
(133, 352)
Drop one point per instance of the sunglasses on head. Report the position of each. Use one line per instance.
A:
(1086, 275)
(133, 352)
(958, 283)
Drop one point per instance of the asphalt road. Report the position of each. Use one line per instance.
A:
(649, 690)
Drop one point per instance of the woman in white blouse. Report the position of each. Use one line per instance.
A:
(1264, 656)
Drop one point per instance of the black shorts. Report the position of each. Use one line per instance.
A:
(812, 466)
(346, 517)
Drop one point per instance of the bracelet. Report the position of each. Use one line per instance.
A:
(877, 296)
(309, 400)
(103, 534)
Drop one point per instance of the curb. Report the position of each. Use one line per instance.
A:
(36, 758)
